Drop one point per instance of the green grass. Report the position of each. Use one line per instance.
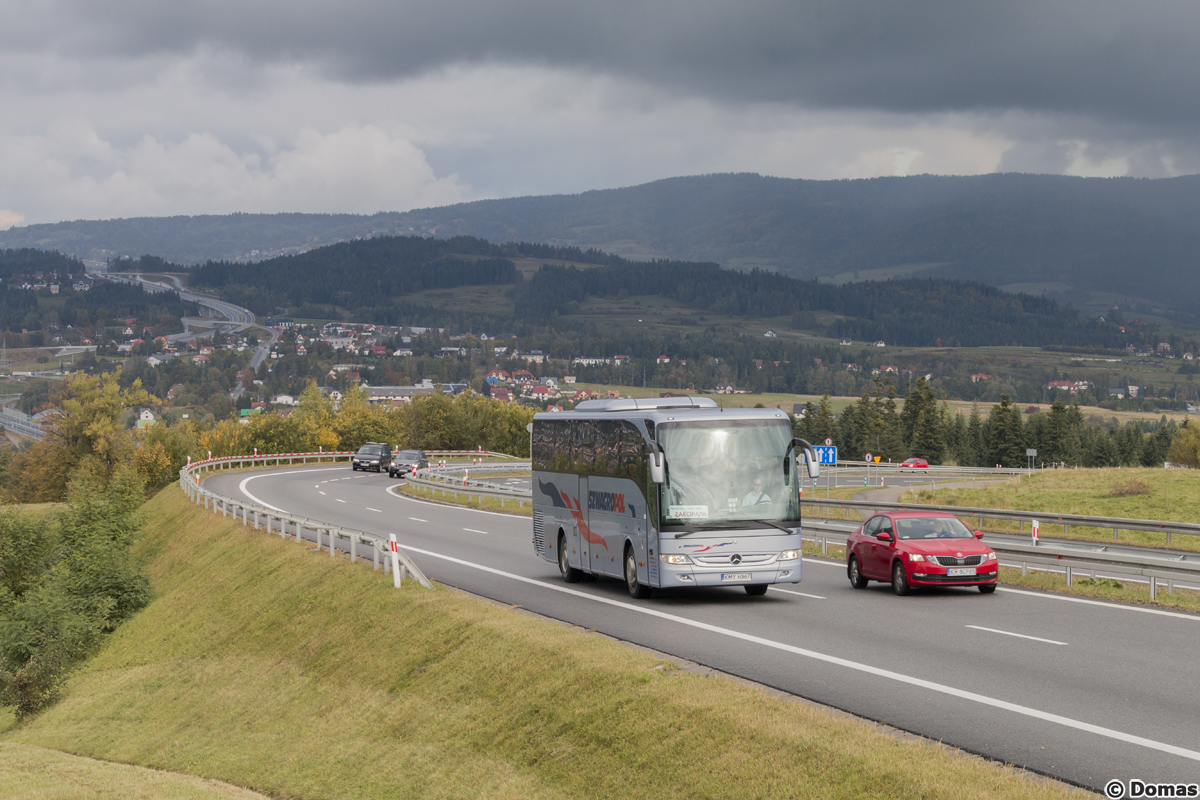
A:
(264, 665)
(1174, 496)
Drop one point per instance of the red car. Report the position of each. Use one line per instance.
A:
(919, 548)
(914, 463)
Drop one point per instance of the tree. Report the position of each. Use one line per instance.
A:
(1185, 447)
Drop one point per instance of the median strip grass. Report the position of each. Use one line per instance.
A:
(266, 666)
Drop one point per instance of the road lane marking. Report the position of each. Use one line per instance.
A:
(1018, 635)
(340, 500)
(899, 677)
(320, 493)
(802, 594)
(418, 519)
(376, 510)
(253, 499)
(1068, 599)
(472, 530)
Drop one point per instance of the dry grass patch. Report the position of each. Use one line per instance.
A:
(303, 676)
(1129, 487)
(34, 772)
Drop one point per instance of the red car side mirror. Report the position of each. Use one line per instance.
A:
(978, 534)
(883, 536)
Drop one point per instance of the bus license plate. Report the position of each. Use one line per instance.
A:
(953, 572)
(744, 576)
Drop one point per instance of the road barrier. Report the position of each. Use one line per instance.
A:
(455, 480)
(1044, 518)
(323, 533)
(1153, 568)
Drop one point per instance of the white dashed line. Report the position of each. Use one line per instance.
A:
(340, 500)
(418, 519)
(802, 594)
(1018, 635)
(320, 493)
(472, 530)
(376, 510)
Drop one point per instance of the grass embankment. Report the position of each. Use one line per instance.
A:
(1153, 494)
(35, 772)
(264, 665)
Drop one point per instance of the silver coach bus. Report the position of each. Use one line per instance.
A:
(669, 492)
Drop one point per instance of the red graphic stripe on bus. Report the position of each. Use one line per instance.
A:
(577, 513)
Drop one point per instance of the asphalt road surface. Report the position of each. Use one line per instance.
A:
(1081, 690)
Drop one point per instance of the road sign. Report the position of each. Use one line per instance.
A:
(867, 457)
(826, 456)
(877, 459)
(1031, 451)
(828, 441)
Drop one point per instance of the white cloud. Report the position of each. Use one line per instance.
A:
(9, 218)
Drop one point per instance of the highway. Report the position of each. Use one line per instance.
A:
(237, 319)
(1082, 690)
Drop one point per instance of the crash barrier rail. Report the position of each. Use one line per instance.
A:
(1152, 568)
(448, 481)
(933, 469)
(385, 553)
(1066, 520)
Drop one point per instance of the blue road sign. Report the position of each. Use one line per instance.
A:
(826, 456)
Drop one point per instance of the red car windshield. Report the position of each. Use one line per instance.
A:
(932, 528)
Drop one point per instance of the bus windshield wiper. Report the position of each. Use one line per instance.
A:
(773, 524)
(689, 530)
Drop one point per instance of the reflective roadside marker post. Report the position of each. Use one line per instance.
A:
(395, 560)
(1035, 532)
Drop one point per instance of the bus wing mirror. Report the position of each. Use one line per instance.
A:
(810, 455)
(658, 472)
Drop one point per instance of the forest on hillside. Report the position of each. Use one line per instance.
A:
(1126, 237)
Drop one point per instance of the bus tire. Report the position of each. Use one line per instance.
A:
(756, 589)
(638, 591)
(569, 573)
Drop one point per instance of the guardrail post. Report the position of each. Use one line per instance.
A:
(1114, 534)
(375, 558)
(298, 536)
(353, 549)
(1068, 576)
(332, 536)
(245, 522)
(1153, 587)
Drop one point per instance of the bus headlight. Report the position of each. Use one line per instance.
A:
(675, 558)
(789, 555)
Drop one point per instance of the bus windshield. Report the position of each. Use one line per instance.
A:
(720, 472)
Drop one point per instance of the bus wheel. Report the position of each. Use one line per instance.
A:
(756, 589)
(569, 573)
(639, 591)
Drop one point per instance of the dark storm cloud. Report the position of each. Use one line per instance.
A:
(1119, 61)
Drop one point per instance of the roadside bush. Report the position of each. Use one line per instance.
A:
(1129, 487)
(64, 582)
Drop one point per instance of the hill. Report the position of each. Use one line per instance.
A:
(262, 664)
(1089, 240)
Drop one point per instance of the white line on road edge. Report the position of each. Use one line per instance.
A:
(376, 510)
(253, 499)
(1018, 635)
(340, 500)
(841, 662)
(417, 519)
(472, 530)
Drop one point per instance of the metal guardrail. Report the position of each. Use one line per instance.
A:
(322, 532)
(1070, 560)
(445, 481)
(1066, 520)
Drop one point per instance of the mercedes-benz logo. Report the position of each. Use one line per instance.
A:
(735, 559)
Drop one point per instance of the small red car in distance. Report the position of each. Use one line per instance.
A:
(914, 463)
(919, 548)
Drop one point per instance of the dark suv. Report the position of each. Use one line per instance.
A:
(404, 461)
(372, 455)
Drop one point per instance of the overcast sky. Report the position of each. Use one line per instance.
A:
(117, 108)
